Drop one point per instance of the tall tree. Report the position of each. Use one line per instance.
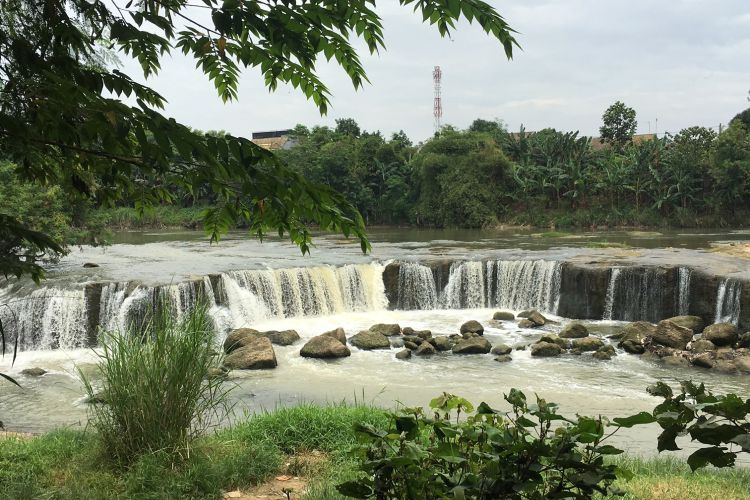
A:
(618, 125)
(62, 120)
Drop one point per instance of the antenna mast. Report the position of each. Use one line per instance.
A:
(437, 108)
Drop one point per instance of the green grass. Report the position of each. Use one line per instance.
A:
(606, 244)
(71, 464)
(159, 217)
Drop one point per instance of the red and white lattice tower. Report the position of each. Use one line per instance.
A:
(437, 109)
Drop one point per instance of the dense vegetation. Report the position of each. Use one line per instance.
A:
(485, 175)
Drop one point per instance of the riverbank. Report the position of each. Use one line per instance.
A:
(304, 447)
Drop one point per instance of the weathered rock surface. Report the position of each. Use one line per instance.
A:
(338, 334)
(702, 345)
(545, 350)
(475, 345)
(90, 265)
(442, 343)
(588, 344)
(425, 349)
(368, 340)
(324, 347)
(632, 347)
(405, 354)
(386, 329)
(526, 323)
(239, 338)
(33, 372)
(554, 339)
(743, 364)
(694, 323)
(284, 337)
(472, 326)
(602, 355)
(504, 358)
(424, 334)
(501, 349)
(256, 354)
(411, 345)
(721, 334)
(574, 331)
(503, 316)
(537, 318)
(703, 360)
(216, 372)
(671, 335)
(744, 341)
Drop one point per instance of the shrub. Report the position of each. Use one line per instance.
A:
(156, 393)
(531, 452)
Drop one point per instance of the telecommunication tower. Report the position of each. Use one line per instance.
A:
(437, 108)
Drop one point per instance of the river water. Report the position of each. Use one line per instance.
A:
(580, 384)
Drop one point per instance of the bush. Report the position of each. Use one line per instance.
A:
(532, 452)
(157, 396)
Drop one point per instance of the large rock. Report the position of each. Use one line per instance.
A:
(442, 343)
(694, 323)
(33, 372)
(574, 331)
(537, 318)
(425, 349)
(702, 345)
(721, 334)
(588, 344)
(472, 326)
(413, 346)
(256, 354)
(632, 347)
(554, 339)
(474, 345)
(703, 360)
(404, 354)
(370, 340)
(545, 350)
(503, 316)
(324, 347)
(504, 358)
(338, 334)
(526, 323)
(387, 330)
(744, 341)
(637, 332)
(501, 349)
(239, 338)
(743, 364)
(284, 337)
(671, 335)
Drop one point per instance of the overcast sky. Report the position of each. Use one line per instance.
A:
(683, 62)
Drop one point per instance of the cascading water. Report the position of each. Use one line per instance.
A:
(635, 294)
(683, 293)
(416, 287)
(728, 301)
(48, 318)
(516, 284)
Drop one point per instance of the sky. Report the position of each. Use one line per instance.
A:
(678, 63)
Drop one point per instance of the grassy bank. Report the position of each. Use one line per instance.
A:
(69, 465)
(159, 217)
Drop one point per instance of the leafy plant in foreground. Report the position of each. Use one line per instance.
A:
(156, 393)
(721, 422)
(531, 452)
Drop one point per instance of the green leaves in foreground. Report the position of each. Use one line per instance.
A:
(529, 452)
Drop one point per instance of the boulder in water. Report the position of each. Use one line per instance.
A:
(537, 318)
(632, 347)
(694, 323)
(588, 344)
(338, 334)
(524, 314)
(89, 265)
(637, 332)
(702, 345)
(472, 326)
(411, 345)
(602, 355)
(554, 339)
(324, 347)
(368, 340)
(239, 338)
(33, 372)
(425, 349)
(284, 337)
(743, 342)
(474, 345)
(743, 364)
(424, 334)
(387, 330)
(503, 358)
(671, 335)
(404, 354)
(442, 343)
(545, 350)
(407, 330)
(256, 354)
(216, 372)
(520, 347)
(526, 323)
(503, 316)
(704, 360)
(721, 334)
(574, 331)
(397, 343)
(501, 349)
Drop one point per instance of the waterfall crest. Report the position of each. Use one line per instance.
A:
(728, 301)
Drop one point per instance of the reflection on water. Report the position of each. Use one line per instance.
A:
(580, 384)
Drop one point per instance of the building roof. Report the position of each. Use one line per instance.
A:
(274, 139)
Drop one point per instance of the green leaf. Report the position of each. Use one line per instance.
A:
(637, 419)
(714, 455)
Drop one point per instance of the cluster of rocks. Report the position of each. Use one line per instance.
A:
(686, 340)
(574, 338)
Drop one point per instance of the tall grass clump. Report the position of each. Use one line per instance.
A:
(157, 395)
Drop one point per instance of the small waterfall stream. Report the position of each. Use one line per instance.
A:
(416, 287)
(635, 294)
(683, 294)
(728, 301)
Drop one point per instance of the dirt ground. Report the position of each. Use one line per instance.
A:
(741, 250)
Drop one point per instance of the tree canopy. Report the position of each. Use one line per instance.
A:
(68, 118)
(618, 125)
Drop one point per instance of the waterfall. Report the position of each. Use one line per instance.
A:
(416, 287)
(635, 294)
(683, 297)
(112, 298)
(728, 297)
(508, 284)
(255, 295)
(609, 302)
(48, 318)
